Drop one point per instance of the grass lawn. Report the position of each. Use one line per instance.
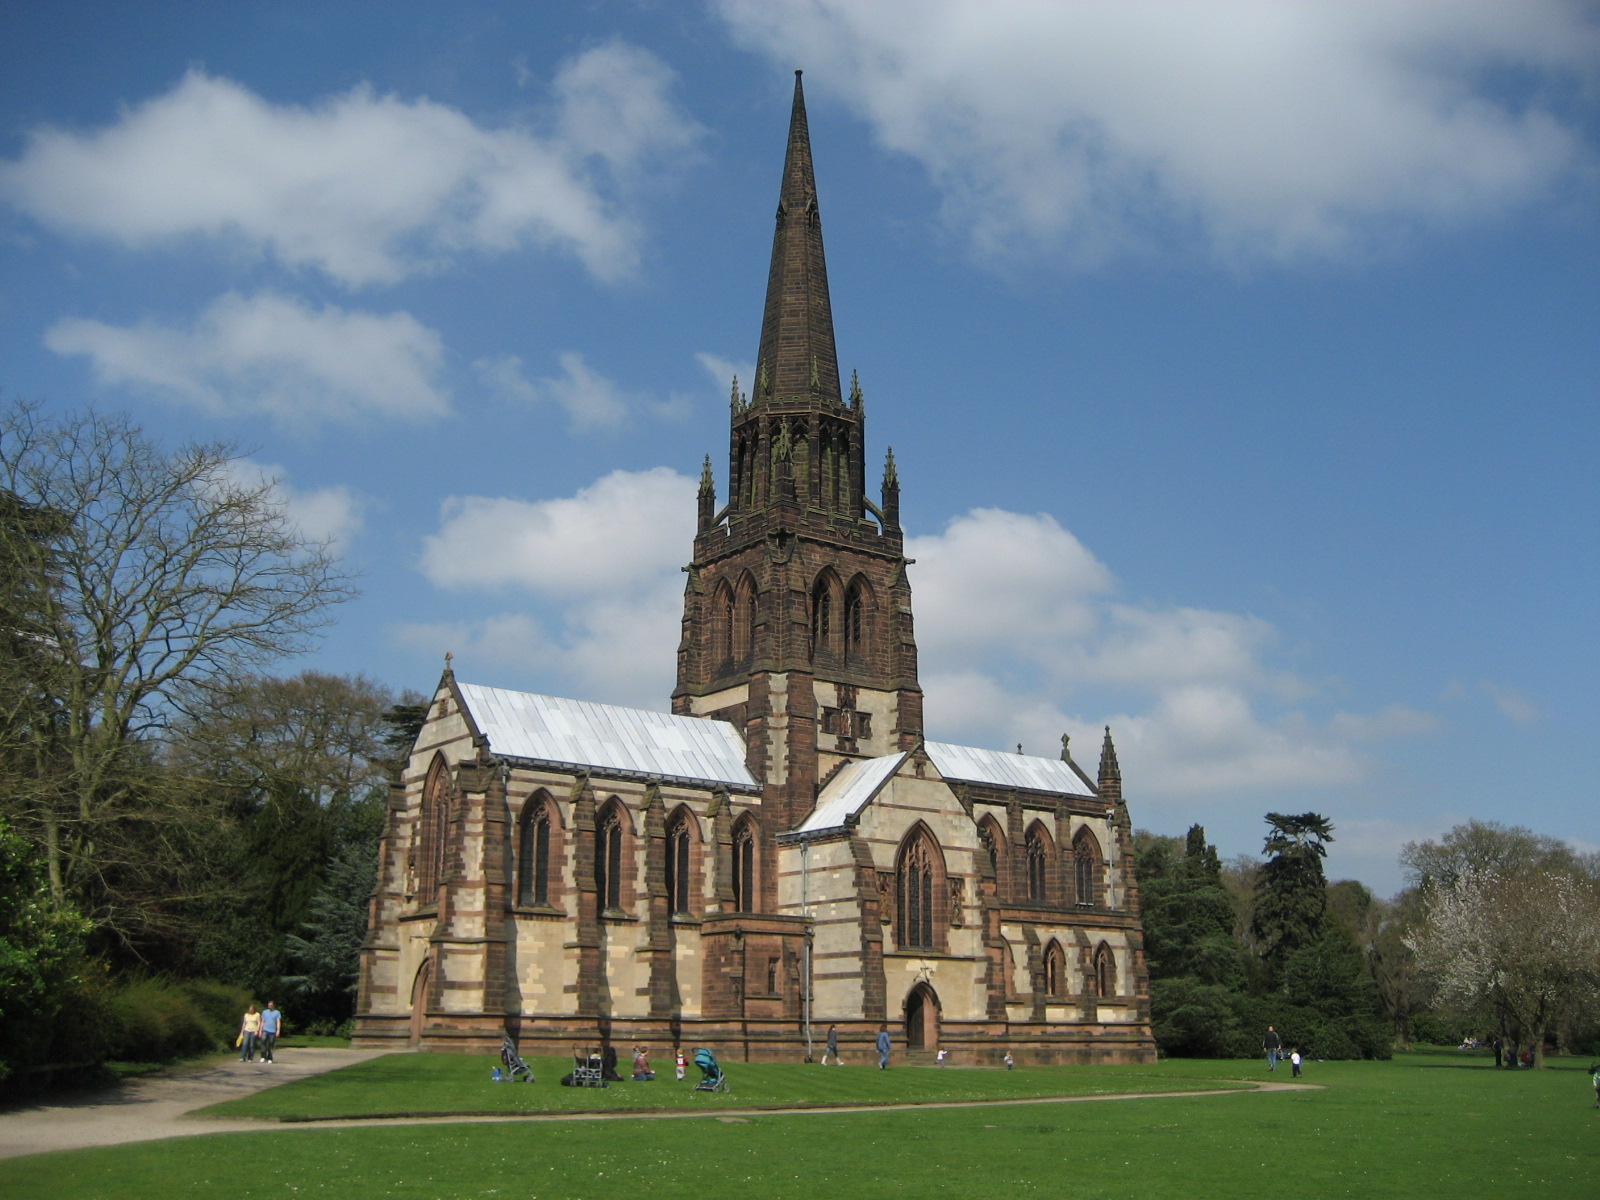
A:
(435, 1084)
(1423, 1125)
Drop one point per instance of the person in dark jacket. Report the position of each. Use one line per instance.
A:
(1272, 1044)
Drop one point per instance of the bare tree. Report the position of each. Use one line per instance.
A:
(1528, 943)
(147, 574)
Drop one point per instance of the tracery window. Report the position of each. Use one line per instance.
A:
(435, 822)
(608, 860)
(855, 605)
(1105, 972)
(1086, 867)
(1038, 867)
(916, 890)
(680, 850)
(1055, 970)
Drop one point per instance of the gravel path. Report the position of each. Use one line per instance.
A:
(159, 1107)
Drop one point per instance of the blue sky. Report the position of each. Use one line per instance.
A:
(1240, 360)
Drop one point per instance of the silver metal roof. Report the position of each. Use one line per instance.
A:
(850, 791)
(604, 737)
(972, 765)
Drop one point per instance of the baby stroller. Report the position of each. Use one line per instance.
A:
(711, 1077)
(516, 1070)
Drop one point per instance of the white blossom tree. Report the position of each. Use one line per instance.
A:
(1526, 943)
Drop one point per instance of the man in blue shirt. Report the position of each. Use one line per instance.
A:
(883, 1048)
(271, 1022)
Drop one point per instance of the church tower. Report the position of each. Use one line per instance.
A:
(797, 615)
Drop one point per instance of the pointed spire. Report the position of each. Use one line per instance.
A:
(708, 497)
(735, 400)
(707, 484)
(891, 475)
(797, 327)
(1110, 773)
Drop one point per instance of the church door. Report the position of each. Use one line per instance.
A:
(419, 1000)
(922, 1018)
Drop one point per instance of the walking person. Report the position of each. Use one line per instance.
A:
(833, 1047)
(1272, 1043)
(883, 1047)
(1294, 1061)
(1594, 1071)
(249, 1030)
(271, 1023)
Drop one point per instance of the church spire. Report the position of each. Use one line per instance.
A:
(799, 365)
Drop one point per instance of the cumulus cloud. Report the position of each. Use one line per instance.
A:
(591, 400)
(1255, 132)
(363, 187)
(623, 532)
(271, 354)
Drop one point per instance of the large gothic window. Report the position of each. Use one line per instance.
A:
(609, 859)
(918, 883)
(827, 599)
(744, 866)
(534, 851)
(435, 822)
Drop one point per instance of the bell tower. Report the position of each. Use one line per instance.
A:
(797, 614)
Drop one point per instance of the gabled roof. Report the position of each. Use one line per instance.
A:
(968, 764)
(851, 790)
(629, 742)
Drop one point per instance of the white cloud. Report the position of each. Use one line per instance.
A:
(1255, 131)
(1514, 706)
(333, 515)
(363, 187)
(591, 400)
(724, 371)
(272, 354)
(624, 532)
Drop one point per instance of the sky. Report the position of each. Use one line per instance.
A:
(1240, 360)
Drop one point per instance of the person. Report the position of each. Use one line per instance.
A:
(1294, 1061)
(249, 1030)
(680, 1062)
(1272, 1043)
(883, 1047)
(1594, 1071)
(641, 1067)
(608, 1064)
(1010, 1062)
(942, 1058)
(1499, 1048)
(271, 1023)
(833, 1047)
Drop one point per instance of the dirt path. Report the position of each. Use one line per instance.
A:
(147, 1109)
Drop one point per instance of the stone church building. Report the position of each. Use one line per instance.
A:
(785, 850)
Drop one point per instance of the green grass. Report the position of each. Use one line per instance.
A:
(1423, 1125)
(436, 1084)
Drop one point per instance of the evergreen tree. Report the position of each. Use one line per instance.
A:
(1291, 892)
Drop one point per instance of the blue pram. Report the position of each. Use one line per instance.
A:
(711, 1077)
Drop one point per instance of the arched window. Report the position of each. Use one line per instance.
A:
(609, 859)
(722, 626)
(435, 821)
(1105, 972)
(744, 620)
(856, 620)
(1086, 867)
(826, 600)
(744, 866)
(1038, 865)
(681, 844)
(1055, 970)
(534, 852)
(993, 840)
(919, 884)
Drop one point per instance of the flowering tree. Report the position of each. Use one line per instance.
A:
(1528, 943)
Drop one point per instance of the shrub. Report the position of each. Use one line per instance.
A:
(155, 1019)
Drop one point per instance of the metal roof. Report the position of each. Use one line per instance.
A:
(850, 791)
(971, 765)
(606, 738)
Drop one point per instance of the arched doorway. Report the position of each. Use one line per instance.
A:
(419, 999)
(922, 1018)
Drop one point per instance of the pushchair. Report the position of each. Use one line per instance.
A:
(711, 1077)
(516, 1070)
(587, 1068)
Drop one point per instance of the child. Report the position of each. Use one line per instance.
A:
(1294, 1061)
(1010, 1062)
(942, 1058)
(680, 1062)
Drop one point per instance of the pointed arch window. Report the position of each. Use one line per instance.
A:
(1038, 866)
(856, 620)
(1055, 970)
(744, 621)
(744, 867)
(680, 865)
(1086, 868)
(435, 822)
(608, 860)
(534, 853)
(918, 884)
(1105, 972)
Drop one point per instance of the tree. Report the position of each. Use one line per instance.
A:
(1490, 846)
(1529, 941)
(156, 576)
(1291, 891)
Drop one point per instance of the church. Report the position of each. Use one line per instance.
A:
(785, 851)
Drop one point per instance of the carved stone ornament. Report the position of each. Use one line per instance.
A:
(958, 889)
(886, 897)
